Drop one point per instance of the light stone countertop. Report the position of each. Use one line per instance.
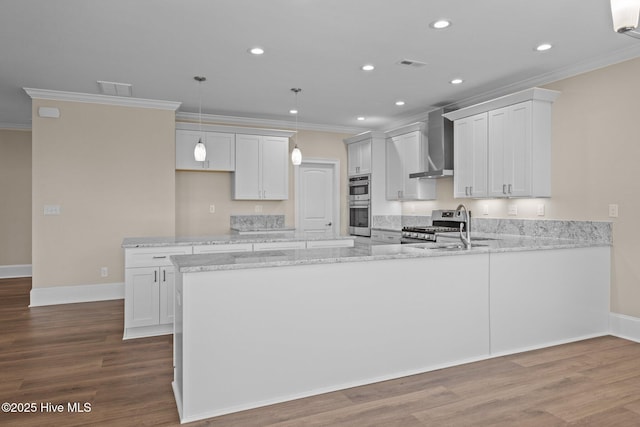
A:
(226, 239)
(483, 243)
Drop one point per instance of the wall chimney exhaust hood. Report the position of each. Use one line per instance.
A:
(439, 160)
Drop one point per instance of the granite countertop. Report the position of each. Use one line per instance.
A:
(226, 239)
(483, 243)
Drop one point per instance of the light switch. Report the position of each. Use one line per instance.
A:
(258, 209)
(541, 209)
(513, 209)
(51, 210)
(485, 209)
(212, 208)
(613, 211)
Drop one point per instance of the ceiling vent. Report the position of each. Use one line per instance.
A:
(116, 89)
(411, 63)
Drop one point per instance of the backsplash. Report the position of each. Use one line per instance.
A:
(597, 231)
(256, 222)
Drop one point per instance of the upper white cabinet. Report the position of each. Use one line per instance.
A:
(221, 152)
(470, 156)
(359, 158)
(405, 153)
(502, 148)
(262, 168)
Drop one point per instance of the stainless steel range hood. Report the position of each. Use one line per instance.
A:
(439, 160)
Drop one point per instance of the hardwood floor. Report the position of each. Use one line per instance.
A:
(74, 353)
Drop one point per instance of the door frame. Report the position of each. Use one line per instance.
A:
(335, 164)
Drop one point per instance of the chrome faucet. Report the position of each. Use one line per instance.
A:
(466, 237)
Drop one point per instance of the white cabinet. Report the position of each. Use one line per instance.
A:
(404, 154)
(359, 158)
(221, 154)
(149, 290)
(502, 147)
(470, 156)
(262, 168)
(520, 150)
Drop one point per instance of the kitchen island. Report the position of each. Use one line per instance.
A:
(252, 329)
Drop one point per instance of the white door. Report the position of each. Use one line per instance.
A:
(316, 197)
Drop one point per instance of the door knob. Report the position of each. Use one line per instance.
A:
(328, 225)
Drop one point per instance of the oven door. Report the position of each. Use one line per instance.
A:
(359, 190)
(360, 218)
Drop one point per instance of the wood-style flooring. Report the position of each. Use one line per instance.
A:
(75, 353)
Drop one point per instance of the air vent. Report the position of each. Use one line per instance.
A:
(113, 88)
(411, 63)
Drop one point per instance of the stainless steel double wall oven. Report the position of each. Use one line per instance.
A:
(360, 205)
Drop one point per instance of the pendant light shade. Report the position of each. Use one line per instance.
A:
(200, 150)
(625, 14)
(296, 154)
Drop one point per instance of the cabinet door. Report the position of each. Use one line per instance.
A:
(221, 151)
(395, 170)
(186, 141)
(247, 177)
(167, 290)
(470, 156)
(518, 154)
(411, 155)
(142, 297)
(275, 168)
(359, 158)
(498, 152)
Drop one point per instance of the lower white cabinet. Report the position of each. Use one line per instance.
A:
(149, 288)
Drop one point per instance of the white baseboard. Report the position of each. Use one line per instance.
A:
(624, 326)
(72, 294)
(11, 271)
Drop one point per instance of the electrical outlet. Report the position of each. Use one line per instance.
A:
(485, 209)
(104, 272)
(513, 209)
(212, 208)
(541, 209)
(613, 211)
(258, 209)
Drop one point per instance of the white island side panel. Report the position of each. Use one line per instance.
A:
(253, 337)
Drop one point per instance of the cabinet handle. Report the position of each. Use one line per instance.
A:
(466, 191)
(509, 188)
(164, 275)
(357, 169)
(159, 257)
(155, 276)
(471, 190)
(504, 188)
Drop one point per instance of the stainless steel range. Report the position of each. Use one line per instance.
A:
(444, 221)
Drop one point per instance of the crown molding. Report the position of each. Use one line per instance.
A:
(572, 70)
(405, 121)
(249, 121)
(234, 129)
(15, 126)
(57, 95)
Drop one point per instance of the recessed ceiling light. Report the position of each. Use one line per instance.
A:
(456, 81)
(361, 118)
(440, 24)
(399, 103)
(544, 46)
(367, 67)
(293, 111)
(256, 51)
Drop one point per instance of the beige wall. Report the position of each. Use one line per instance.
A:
(595, 162)
(196, 191)
(15, 197)
(111, 169)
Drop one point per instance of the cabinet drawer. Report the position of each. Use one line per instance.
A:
(153, 257)
(268, 246)
(341, 243)
(214, 249)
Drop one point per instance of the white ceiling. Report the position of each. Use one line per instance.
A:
(317, 45)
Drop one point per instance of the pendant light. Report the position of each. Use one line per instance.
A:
(625, 15)
(200, 151)
(296, 154)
